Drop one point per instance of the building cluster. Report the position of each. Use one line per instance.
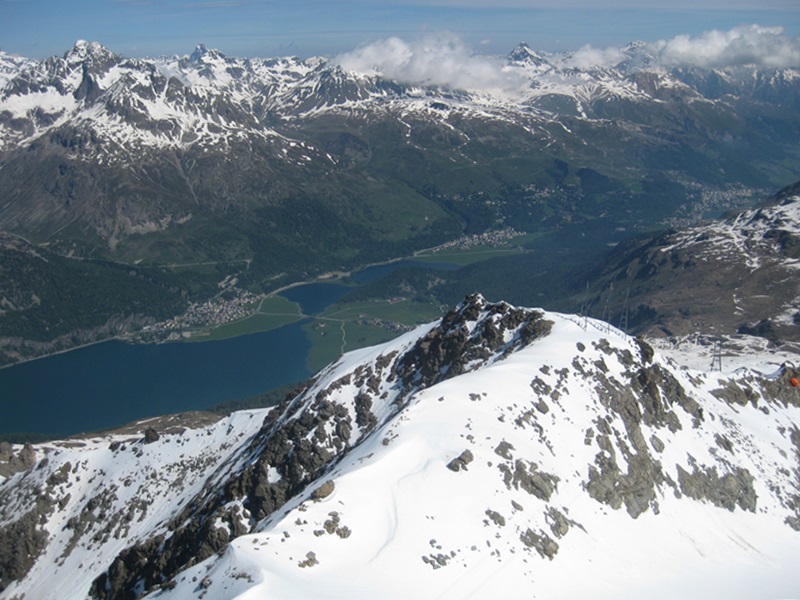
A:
(234, 305)
(388, 325)
(489, 238)
(707, 201)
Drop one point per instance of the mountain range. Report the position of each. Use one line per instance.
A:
(274, 170)
(497, 451)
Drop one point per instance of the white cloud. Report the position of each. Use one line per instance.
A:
(444, 60)
(753, 44)
(438, 60)
(588, 57)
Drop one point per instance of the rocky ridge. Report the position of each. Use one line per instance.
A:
(497, 436)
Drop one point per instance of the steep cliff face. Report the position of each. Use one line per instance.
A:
(500, 448)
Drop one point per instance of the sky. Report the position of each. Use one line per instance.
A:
(304, 28)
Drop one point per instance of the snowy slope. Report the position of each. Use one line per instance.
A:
(752, 237)
(517, 520)
(93, 497)
(500, 452)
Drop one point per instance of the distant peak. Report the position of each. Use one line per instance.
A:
(202, 51)
(523, 53)
(83, 50)
(635, 45)
(199, 51)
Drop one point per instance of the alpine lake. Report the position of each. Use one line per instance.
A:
(109, 384)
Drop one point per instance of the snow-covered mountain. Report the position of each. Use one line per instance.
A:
(738, 272)
(209, 99)
(500, 451)
(100, 150)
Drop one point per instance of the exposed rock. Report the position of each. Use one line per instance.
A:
(323, 491)
(496, 517)
(310, 561)
(461, 461)
(723, 442)
(793, 502)
(541, 542)
(729, 491)
(656, 442)
(10, 463)
(364, 417)
(450, 346)
(559, 524)
(504, 450)
(529, 478)
(6, 451)
(21, 542)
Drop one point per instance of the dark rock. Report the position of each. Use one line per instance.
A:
(60, 476)
(323, 491)
(461, 461)
(535, 482)
(449, 347)
(496, 517)
(657, 444)
(541, 542)
(504, 450)
(25, 459)
(21, 543)
(559, 524)
(723, 442)
(728, 491)
(151, 435)
(310, 561)
(364, 417)
(6, 451)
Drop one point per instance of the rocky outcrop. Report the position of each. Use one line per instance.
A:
(21, 542)
(310, 431)
(728, 491)
(460, 462)
(14, 462)
(461, 342)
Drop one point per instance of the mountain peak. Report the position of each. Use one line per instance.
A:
(202, 52)
(523, 53)
(83, 50)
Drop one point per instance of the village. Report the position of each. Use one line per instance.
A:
(233, 304)
(489, 238)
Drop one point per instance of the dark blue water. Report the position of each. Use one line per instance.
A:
(314, 298)
(371, 274)
(110, 384)
(113, 383)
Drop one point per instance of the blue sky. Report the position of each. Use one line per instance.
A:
(41, 28)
